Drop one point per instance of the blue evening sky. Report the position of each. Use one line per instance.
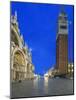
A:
(38, 25)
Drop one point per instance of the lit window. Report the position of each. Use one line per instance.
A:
(69, 65)
(72, 70)
(72, 65)
(68, 70)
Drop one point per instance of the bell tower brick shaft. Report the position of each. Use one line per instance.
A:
(62, 44)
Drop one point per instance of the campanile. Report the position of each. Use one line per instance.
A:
(62, 44)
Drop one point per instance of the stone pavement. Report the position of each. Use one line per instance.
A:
(42, 87)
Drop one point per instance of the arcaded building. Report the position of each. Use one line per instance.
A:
(62, 44)
(21, 60)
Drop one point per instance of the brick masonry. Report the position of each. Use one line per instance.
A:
(62, 53)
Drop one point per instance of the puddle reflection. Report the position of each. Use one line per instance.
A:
(46, 85)
(35, 83)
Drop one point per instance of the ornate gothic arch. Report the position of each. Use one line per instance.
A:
(18, 64)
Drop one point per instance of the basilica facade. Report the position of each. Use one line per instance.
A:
(21, 61)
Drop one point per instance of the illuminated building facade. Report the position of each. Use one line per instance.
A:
(52, 72)
(21, 61)
(70, 70)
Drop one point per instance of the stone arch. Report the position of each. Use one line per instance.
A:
(18, 64)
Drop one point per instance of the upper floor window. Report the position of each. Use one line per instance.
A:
(63, 27)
